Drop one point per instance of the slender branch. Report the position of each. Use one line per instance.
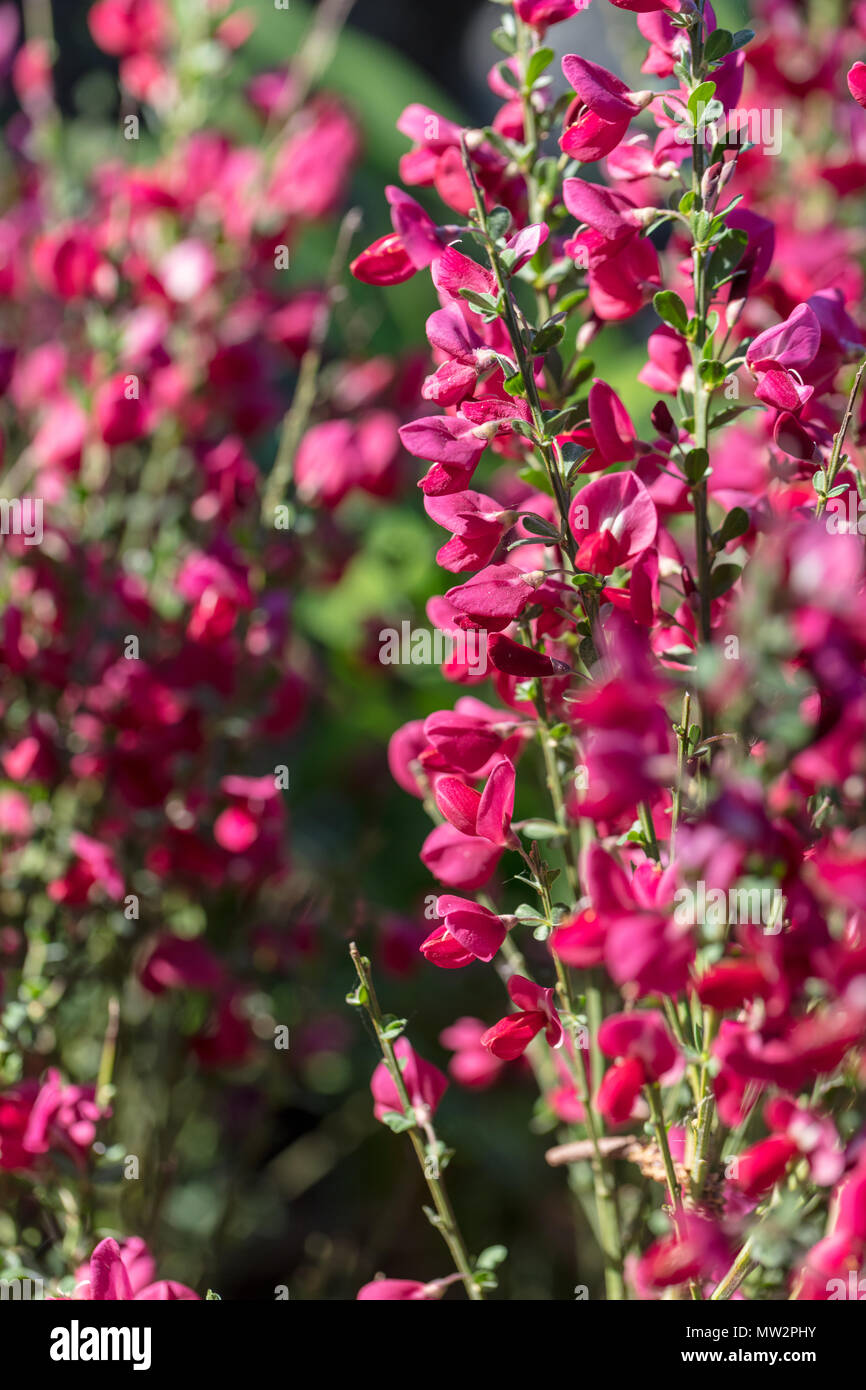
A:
(297, 417)
(446, 1222)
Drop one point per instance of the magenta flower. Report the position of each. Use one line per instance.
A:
(425, 1084)
(763, 1165)
(473, 1065)
(125, 1272)
(542, 13)
(614, 520)
(603, 112)
(478, 524)
(516, 659)
(857, 83)
(404, 1290)
(496, 596)
(461, 861)
(645, 1053)
(478, 930)
(696, 1250)
(176, 962)
(536, 1012)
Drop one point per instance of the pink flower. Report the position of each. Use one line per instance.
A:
(579, 941)
(404, 1290)
(603, 112)
(486, 814)
(510, 1037)
(425, 1084)
(122, 413)
(496, 596)
(857, 83)
(542, 13)
(175, 962)
(188, 270)
(473, 1065)
(641, 1036)
(384, 262)
(478, 523)
(620, 1088)
(478, 930)
(462, 861)
(122, 27)
(94, 865)
(695, 1250)
(125, 1272)
(761, 1167)
(792, 343)
(63, 1116)
(516, 659)
(614, 520)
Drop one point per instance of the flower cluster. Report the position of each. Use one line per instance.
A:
(674, 620)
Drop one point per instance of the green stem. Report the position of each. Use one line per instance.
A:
(706, 1108)
(298, 415)
(835, 461)
(654, 1100)
(446, 1222)
(739, 1270)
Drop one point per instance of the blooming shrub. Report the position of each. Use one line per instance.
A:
(644, 850)
(675, 634)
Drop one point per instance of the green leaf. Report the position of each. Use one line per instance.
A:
(724, 417)
(492, 1257)
(735, 524)
(574, 453)
(537, 526)
(397, 1121)
(741, 38)
(712, 373)
(562, 421)
(524, 428)
(701, 96)
(392, 1027)
(671, 309)
(547, 337)
(508, 75)
(514, 384)
(580, 372)
(570, 301)
(696, 464)
(498, 222)
(504, 40)
(710, 113)
(527, 913)
(722, 578)
(727, 256)
(486, 303)
(718, 45)
(541, 59)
